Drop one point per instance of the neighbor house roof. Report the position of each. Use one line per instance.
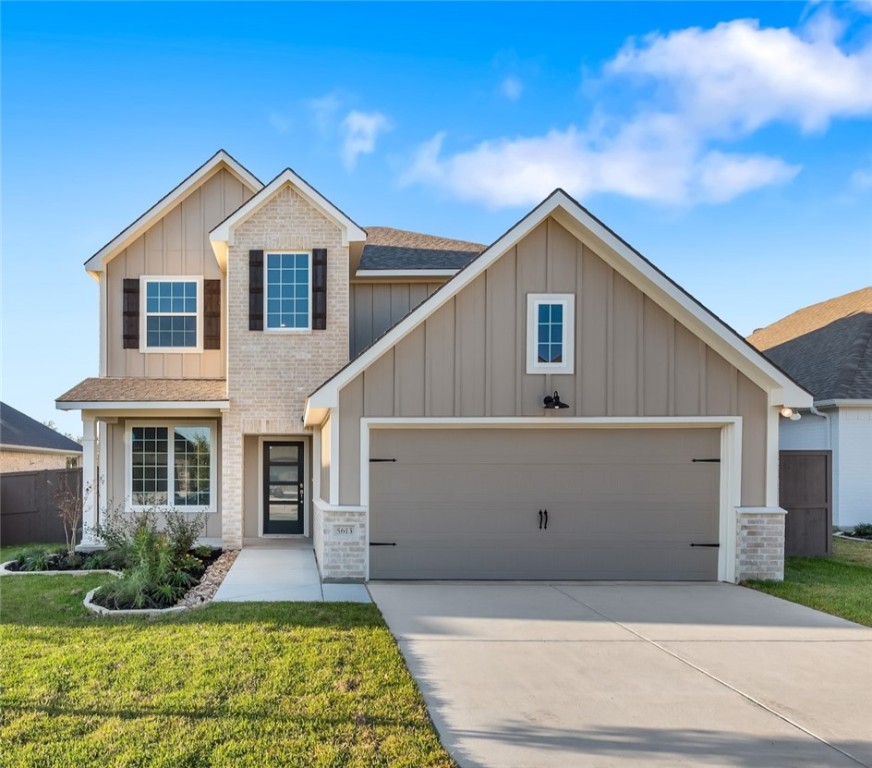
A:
(398, 249)
(219, 160)
(18, 432)
(117, 392)
(826, 347)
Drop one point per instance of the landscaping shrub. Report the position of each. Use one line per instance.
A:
(862, 531)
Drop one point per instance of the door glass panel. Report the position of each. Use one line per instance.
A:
(282, 474)
(279, 512)
(283, 453)
(283, 492)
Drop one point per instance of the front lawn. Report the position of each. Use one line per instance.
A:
(840, 585)
(246, 684)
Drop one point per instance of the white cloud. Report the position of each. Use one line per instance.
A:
(738, 77)
(511, 87)
(324, 111)
(360, 131)
(704, 89)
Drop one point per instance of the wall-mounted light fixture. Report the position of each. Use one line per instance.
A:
(789, 413)
(552, 402)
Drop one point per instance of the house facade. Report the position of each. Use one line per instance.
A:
(827, 348)
(26, 445)
(551, 406)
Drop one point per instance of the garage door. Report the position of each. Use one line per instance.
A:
(620, 504)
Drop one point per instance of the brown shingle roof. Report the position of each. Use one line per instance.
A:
(112, 389)
(826, 347)
(388, 248)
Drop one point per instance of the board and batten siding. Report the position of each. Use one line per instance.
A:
(375, 307)
(177, 244)
(468, 359)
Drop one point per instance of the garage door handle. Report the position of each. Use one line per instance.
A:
(540, 519)
(546, 519)
(715, 546)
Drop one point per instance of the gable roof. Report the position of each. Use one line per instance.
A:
(622, 257)
(220, 159)
(398, 249)
(222, 235)
(826, 347)
(19, 431)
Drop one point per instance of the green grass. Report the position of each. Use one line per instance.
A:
(840, 585)
(290, 684)
(12, 552)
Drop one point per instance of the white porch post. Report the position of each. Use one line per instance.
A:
(90, 482)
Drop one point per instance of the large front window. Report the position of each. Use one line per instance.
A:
(171, 311)
(171, 466)
(288, 304)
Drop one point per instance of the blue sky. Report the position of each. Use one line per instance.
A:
(730, 142)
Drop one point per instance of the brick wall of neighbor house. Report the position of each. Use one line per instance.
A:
(340, 539)
(26, 461)
(759, 545)
(269, 374)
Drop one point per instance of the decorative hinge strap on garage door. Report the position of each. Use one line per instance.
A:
(706, 461)
(379, 461)
(713, 546)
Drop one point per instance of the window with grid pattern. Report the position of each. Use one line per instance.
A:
(550, 333)
(170, 314)
(187, 450)
(288, 303)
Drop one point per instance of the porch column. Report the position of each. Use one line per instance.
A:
(90, 483)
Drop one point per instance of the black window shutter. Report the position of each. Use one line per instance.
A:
(255, 290)
(211, 314)
(131, 313)
(319, 289)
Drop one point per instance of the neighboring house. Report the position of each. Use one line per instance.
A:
(827, 348)
(394, 397)
(27, 445)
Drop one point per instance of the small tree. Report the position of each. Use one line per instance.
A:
(70, 504)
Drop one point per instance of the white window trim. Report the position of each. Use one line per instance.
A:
(144, 280)
(568, 302)
(171, 427)
(276, 252)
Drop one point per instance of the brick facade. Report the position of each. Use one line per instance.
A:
(270, 373)
(760, 544)
(341, 555)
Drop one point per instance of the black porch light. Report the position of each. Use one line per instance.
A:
(552, 402)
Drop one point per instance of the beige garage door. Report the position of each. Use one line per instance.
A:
(621, 504)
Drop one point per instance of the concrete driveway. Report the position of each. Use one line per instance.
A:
(613, 675)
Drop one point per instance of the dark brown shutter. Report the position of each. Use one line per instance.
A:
(131, 313)
(319, 289)
(211, 314)
(255, 290)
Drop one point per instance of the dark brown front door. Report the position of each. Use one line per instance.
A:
(283, 489)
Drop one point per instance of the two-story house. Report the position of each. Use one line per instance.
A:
(550, 406)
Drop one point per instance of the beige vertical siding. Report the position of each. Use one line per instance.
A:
(251, 487)
(325, 460)
(631, 358)
(375, 307)
(177, 244)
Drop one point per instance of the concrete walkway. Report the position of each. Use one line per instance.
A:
(269, 575)
(559, 675)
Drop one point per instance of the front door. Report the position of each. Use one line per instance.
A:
(283, 474)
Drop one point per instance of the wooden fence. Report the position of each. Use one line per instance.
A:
(28, 507)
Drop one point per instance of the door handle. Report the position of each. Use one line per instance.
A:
(540, 519)
(546, 519)
(300, 494)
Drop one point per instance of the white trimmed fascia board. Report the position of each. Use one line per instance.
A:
(538, 422)
(37, 449)
(145, 405)
(222, 236)
(843, 404)
(395, 273)
(635, 268)
(220, 159)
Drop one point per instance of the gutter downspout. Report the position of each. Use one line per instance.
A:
(826, 417)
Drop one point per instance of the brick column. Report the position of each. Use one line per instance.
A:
(760, 543)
